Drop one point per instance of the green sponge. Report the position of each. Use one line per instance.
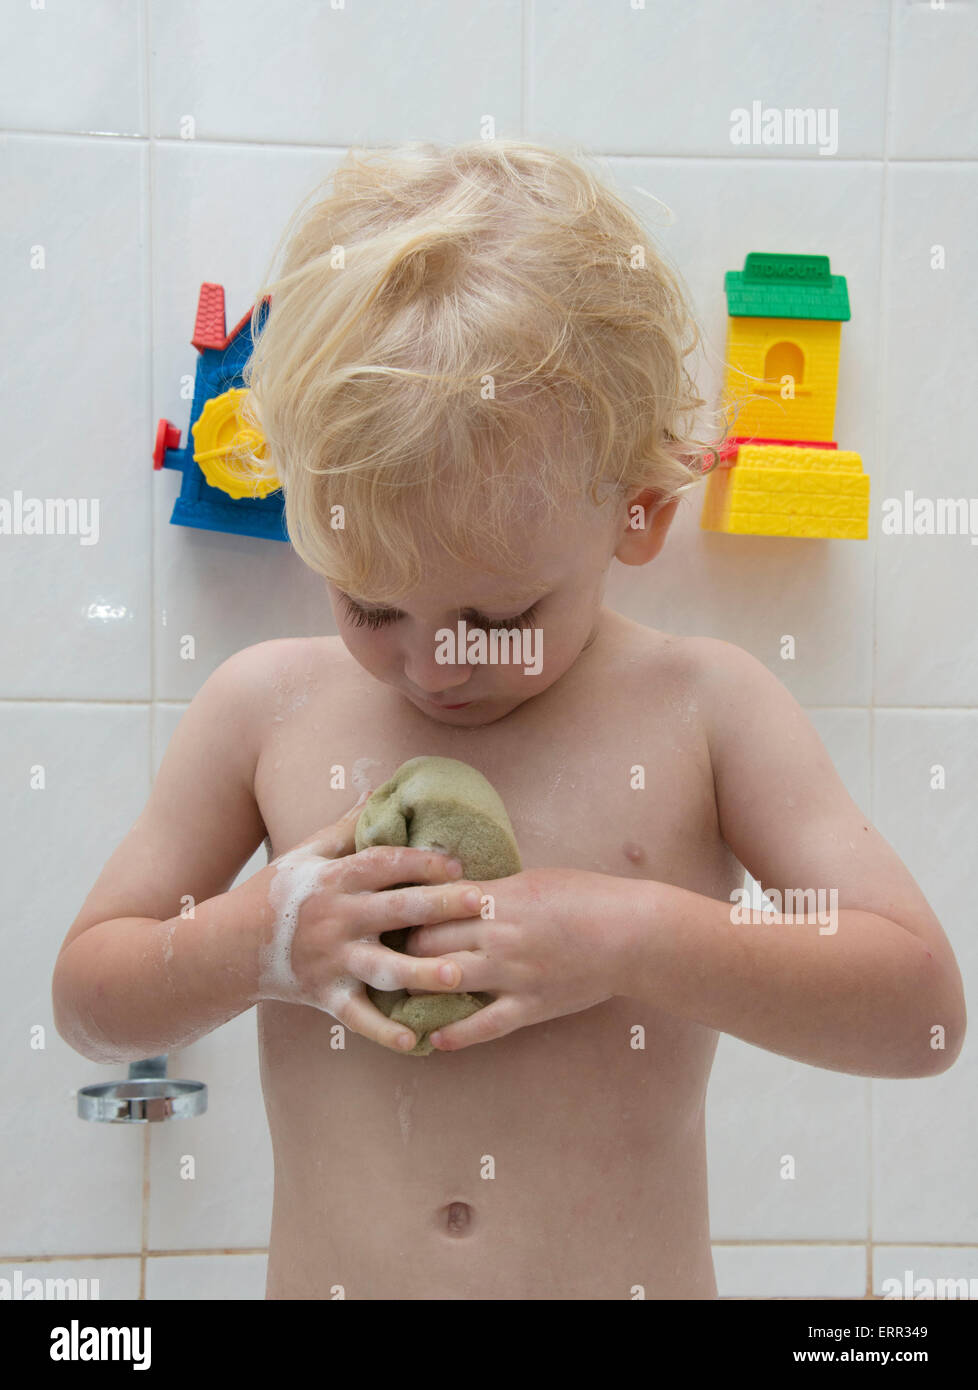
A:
(444, 804)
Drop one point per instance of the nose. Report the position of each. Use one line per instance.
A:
(431, 676)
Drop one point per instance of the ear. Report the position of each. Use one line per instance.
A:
(640, 542)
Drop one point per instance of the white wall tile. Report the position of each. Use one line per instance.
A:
(206, 1278)
(762, 1107)
(228, 1201)
(909, 1264)
(309, 73)
(96, 767)
(933, 114)
(925, 1133)
(73, 65)
(927, 585)
(75, 416)
(790, 1271)
(664, 79)
(105, 1279)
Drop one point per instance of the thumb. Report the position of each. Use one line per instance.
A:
(339, 839)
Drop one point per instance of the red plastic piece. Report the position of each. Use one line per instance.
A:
(209, 327)
(730, 447)
(167, 437)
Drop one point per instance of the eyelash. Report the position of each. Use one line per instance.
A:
(383, 617)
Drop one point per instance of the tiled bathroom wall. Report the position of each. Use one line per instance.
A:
(150, 145)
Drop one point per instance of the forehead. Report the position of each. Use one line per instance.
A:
(552, 547)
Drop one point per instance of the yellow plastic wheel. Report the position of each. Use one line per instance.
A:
(223, 443)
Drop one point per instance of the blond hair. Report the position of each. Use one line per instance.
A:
(440, 315)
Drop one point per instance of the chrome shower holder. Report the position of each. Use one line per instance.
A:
(147, 1097)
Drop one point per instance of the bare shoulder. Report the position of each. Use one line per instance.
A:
(281, 655)
(270, 669)
(716, 663)
(735, 690)
(688, 662)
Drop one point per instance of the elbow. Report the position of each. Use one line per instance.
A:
(81, 1035)
(940, 1031)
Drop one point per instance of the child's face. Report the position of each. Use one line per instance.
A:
(558, 596)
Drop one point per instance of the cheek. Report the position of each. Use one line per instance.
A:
(368, 649)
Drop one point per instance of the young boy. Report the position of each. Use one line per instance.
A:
(471, 384)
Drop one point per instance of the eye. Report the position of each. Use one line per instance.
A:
(382, 617)
(522, 620)
(368, 617)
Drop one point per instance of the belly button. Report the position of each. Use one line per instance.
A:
(457, 1218)
(634, 852)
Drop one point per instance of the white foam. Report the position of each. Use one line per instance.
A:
(298, 874)
(361, 781)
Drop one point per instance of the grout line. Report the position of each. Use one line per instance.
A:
(526, 32)
(339, 150)
(148, 114)
(784, 1244)
(879, 469)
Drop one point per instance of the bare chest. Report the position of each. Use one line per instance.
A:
(615, 779)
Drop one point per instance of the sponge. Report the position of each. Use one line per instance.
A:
(443, 804)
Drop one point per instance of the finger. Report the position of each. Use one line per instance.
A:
(360, 1016)
(385, 969)
(339, 839)
(416, 906)
(479, 976)
(389, 866)
(442, 938)
(494, 1021)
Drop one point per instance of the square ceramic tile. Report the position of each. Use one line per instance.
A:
(932, 103)
(926, 509)
(85, 1279)
(790, 1271)
(693, 79)
(925, 1272)
(93, 762)
(846, 735)
(73, 65)
(925, 1135)
(323, 74)
(206, 1278)
(75, 421)
(212, 1176)
(755, 590)
(787, 1148)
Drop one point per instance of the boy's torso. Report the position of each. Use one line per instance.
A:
(560, 1161)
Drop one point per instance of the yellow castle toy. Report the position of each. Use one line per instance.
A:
(782, 474)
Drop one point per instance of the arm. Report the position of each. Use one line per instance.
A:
(133, 977)
(863, 998)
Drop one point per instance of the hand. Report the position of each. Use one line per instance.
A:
(322, 908)
(544, 953)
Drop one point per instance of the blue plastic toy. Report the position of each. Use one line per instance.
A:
(218, 386)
